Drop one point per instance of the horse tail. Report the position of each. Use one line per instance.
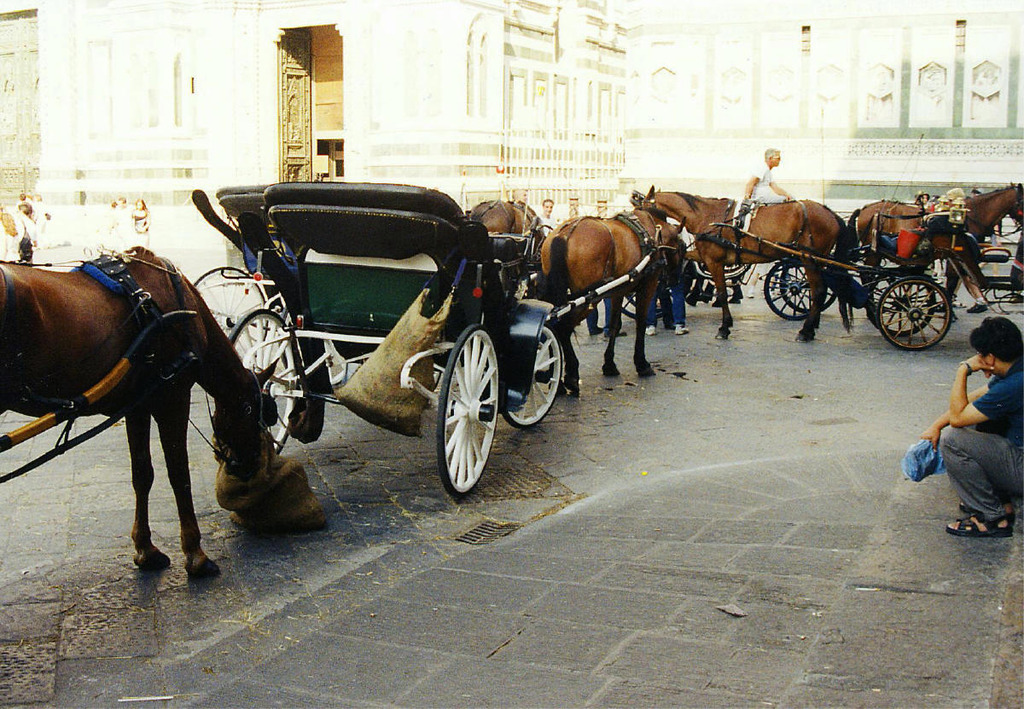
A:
(847, 240)
(555, 288)
(852, 223)
(840, 281)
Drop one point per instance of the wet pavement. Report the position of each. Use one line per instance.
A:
(733, 532)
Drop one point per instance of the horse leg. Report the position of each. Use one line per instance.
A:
(615, 325)
(644, 294)
(137, 427)
(717, 270)
(172, 422)
(570, 384)
(817, 285)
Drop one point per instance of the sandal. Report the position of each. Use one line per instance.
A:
(1010, 517)
(971, 527)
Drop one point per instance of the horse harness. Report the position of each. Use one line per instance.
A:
(648, 243)
(113, 274)
(738, 234)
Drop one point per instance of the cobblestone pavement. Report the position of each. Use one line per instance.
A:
(733, 532)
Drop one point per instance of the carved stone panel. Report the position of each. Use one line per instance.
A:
(986, 73)
(734, 79)
(19, 95)
(931, 78)
(295, 51)
(780, 80)
(878, 102)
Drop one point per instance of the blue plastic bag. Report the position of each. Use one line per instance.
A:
(921, 461)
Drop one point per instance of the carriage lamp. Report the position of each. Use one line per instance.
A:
(957, 212)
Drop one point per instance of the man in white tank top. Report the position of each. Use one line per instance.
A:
(762, 187)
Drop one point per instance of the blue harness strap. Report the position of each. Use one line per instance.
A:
(92, 269)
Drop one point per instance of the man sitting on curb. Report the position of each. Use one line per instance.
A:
(983, 446)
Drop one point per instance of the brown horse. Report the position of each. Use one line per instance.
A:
(585, 253)
(805, 226)
(984, 213)
(64, 334)
(501, 217)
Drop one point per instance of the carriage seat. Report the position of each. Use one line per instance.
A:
(374, 220)
(995, 254)
(508, 247)
(248, 199)
(241, 199)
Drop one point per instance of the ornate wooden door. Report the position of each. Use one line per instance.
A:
(19, 98)
(295, 106)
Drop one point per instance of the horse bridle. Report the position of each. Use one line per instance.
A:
(264, 410)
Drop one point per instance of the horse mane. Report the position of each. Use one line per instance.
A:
(655, 212)
(690, 199)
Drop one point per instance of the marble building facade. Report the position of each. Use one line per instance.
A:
(866, 100)
(574, 99)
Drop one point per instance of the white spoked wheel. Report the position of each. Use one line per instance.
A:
(547, 373)
(467, 407)
(230, 293)
(262, 341)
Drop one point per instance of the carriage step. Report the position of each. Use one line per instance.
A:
(487, 532)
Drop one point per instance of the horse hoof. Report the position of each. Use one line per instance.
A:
(572, 390)
(647, 372)
(203, 570)
(610, 370)
(722, 335)
(803, 337)
(154, 560)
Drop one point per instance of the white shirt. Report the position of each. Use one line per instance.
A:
(763, 191)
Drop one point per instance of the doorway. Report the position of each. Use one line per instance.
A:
(312, 104)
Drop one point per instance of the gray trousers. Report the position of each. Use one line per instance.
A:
(984, 469)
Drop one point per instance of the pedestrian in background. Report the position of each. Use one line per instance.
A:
(140, 222)
(671, 294)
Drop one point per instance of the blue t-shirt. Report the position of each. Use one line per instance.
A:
(1005, 400)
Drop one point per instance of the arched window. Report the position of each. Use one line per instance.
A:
(179, 90)
(476, 71)
(482, 77)
(471, 69)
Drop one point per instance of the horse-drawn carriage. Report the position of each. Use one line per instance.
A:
(395, 299)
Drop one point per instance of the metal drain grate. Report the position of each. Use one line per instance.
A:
(487, 532)
(515, 480)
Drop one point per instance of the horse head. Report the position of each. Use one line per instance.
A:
(240, 426)
(667, 233)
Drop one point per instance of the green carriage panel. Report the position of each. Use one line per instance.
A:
(363, 293)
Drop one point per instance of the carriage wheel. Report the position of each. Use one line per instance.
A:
(230, 293)
(547, 373)
(914, 313)
(262, 341)
(467, 407)
(787, 293)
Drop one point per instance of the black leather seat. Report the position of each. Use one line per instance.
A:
(242, 199)
(377, 220)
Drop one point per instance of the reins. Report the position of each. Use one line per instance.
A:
(68, 410)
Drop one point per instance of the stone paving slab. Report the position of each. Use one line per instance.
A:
(661, 500)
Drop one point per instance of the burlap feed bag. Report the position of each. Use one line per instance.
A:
(374, 392)
(276, 500)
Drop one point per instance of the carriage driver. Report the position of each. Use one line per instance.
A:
(762, 187)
